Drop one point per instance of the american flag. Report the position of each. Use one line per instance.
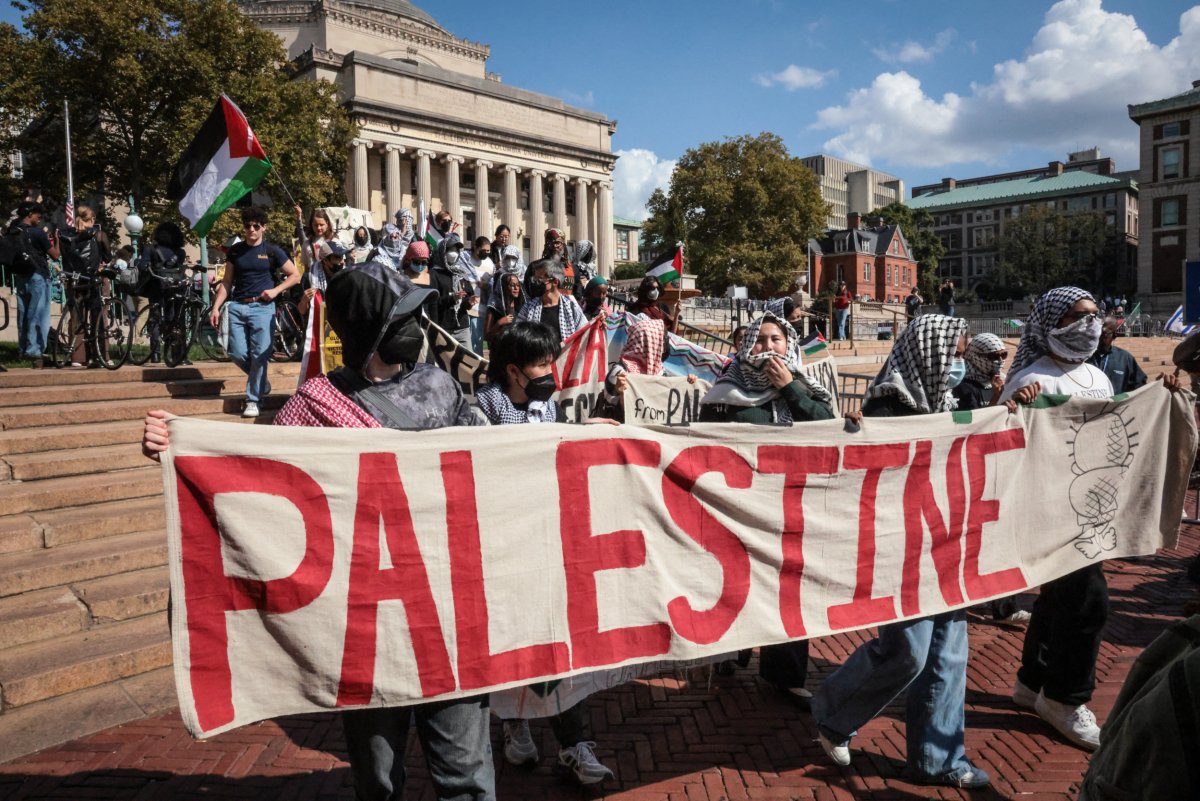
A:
(69, 211)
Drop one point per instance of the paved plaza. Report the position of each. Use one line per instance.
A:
(673, 738)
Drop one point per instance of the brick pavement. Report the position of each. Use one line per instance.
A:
(684, 738)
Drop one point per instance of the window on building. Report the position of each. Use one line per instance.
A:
(1170, 163)
(622, 245)
(1168, 211)
(887, 278)
(866, 271)
(1170, 129)
(1110, 200)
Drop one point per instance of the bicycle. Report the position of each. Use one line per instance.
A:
(288, 339)
(171, 322)
(93, 318)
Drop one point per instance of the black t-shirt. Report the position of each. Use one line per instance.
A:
(40, 250)
(550, 318)
(971, 395)
(946, 295)
(912, 303)
(253, 268)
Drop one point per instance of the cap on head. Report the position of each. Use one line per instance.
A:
(332, 247)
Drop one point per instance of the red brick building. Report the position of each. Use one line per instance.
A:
(874, 261)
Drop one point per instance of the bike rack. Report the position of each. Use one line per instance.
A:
(4, 304)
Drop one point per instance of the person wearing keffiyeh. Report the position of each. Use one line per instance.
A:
(915, 379)
(927, 656)
(646, 348)
(985, 355)
(505, 301)
(763, 385)
(547, 304)
(391, 247)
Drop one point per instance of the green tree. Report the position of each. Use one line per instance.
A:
(927, 247)
(1042, 248)
(744, 209)
(140, 77)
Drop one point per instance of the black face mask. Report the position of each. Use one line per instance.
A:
(798, 327)
(402, 342)
(537, 288)
(360, 240)
(541, 388)
(444, 227)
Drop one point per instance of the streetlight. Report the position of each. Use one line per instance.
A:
(134, 225)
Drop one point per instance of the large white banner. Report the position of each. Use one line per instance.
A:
(317, 569)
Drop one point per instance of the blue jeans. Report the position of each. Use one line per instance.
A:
(477, 334)
(251, 326)
(454, 736)
(839, 319)
(928, 657)
(33, 313)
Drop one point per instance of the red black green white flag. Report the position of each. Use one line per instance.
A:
(669, 266)
(222, 164)
(813, 344)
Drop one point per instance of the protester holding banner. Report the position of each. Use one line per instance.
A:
(547, 304)
(505, 301)
(763, 385)
(925, 656)
(1058, 661)
(646, 349)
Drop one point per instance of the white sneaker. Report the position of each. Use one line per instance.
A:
(1076, 723)
(519, 748)
(840, 754)
(251, 409)
(1019, 616)
(581, 760)
(1023, 697)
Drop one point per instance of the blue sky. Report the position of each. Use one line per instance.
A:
(919, 88)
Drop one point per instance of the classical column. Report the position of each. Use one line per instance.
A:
(395, 191)
(453, 196)
(424, 185)
(560, 203)
(537, 218)
(483, 212)
(361, 195)
(512, 214)
(581, 209)
(604, 237)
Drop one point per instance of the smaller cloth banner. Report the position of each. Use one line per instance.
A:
(469, 369)
(825, 373)
(312, 363)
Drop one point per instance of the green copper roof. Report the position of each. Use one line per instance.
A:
(1186, 100)
(626, 222)
(1016, 189)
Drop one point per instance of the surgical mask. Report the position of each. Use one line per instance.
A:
(540, 388)
(510, 264)
(418, 266)
(402, 342)
(652, 294)
(958, 371)
(1077, 341)
(451, 257)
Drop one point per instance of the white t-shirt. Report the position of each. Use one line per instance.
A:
(1082, 380)
(484, 270)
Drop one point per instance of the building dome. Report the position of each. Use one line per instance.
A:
(401, 8)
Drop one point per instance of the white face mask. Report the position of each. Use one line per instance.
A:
(510, 264)
(451, 257)
(1077, 341)
(652, 294)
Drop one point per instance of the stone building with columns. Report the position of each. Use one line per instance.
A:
(435, 125)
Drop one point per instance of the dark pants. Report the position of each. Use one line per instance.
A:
(1059, 657)
(785, 664)
(454, 736)
(572, 726)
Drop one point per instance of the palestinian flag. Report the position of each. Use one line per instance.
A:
(813, 344)
(222, 164)
(669, 266)
(429, 231)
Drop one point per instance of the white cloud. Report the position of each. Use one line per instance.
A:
(638, 173)
(588, 98)
(911, 52)
(793, 78)
(1069, 91)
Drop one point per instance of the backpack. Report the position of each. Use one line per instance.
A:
(81, 252)
(1149, 744)
(16, 250)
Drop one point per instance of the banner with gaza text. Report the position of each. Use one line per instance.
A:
(321, 569)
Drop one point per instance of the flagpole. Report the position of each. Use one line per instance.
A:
(70, 174)
(279, 178)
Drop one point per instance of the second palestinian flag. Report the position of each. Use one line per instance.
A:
(222, 164)
(668, 267)
(813, 344)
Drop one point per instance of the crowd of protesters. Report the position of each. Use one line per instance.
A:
(379, 309)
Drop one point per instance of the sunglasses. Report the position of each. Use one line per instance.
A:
(253, 226)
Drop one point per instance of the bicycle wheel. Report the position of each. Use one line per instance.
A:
(67, 336)
(113, 333)
(289, 333)
(209, 338)
(141, 336)
(177, 338)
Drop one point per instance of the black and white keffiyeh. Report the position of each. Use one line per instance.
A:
(1047, 311)
(745, 381)
(570, 315)
(978, 357)
(916, 369)
(499, 409)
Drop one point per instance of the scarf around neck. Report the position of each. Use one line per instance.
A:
(1047, 311)
(916, 369)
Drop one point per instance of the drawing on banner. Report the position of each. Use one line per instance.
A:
(1101, 452)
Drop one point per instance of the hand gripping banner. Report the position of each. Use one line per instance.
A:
(321, 569)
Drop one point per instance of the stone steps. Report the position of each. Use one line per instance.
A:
(68, 564)
(151, 373)
(109, 411)
(55, 437)
(55, 493)
(125, 390)
(74, 462)
(42, 670)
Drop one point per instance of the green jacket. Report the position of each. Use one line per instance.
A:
(800, 403)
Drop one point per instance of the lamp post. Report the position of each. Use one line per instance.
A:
(134, 225)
